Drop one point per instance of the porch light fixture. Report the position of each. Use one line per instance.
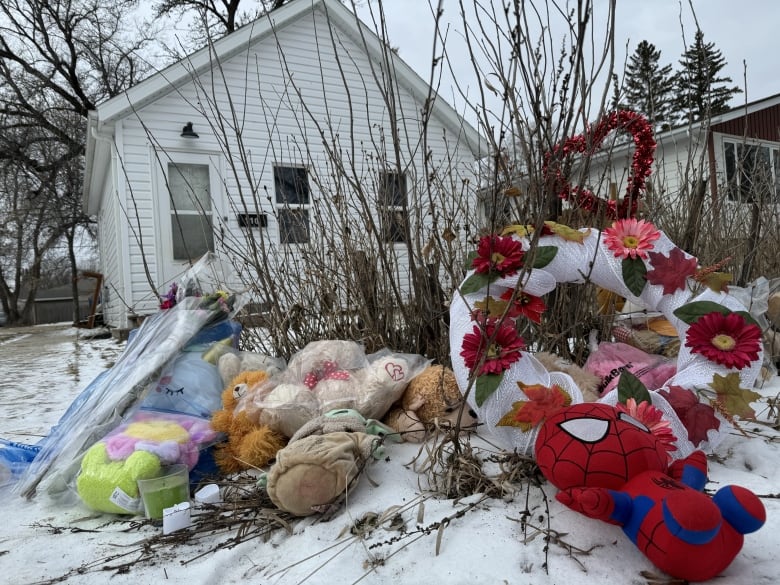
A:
(188, 132)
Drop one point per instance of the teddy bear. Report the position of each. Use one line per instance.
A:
(231, 363)
(322, 461)
(248, 444)
(330, 375)
(609, 466)
(431, 397)
(586, 381)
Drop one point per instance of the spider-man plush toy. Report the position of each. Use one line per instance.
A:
(610, 467)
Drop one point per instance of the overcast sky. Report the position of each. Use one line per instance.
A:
(745, 31)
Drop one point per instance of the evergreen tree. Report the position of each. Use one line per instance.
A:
(648, 86)
(701, 93)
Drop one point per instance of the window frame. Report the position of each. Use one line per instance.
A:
(176, 213)
(288, 207)
(393, 210)
(733, 175)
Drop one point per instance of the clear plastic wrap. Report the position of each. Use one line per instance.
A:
(115, 394)
(328, 375)
(137, 449)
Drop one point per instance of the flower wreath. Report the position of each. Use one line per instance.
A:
(513, 393)
(588, 143)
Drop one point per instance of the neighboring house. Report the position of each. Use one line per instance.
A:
(169, 163)
(733, 154)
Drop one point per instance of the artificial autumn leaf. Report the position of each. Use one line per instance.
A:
(541, 404)
(629, 386)
(492, 307)
(710, 276)
(518, 230)
(671, 271)
(608, 302)
(485, 387)
(733, 399)
(634, 275)
(697, 417)
(691, 312)
(718, 281)
(567, 233)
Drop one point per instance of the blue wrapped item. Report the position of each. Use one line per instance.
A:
(14, 459)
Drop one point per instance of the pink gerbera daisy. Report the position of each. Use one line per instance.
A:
(653, 419)
(524, 304)
(631, 238)
(727, 340)
(500, 353)
(498, 254)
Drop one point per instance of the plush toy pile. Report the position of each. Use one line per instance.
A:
(330, 375)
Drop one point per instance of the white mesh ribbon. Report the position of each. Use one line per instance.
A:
(577, 262)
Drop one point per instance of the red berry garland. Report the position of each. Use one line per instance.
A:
(588, 143)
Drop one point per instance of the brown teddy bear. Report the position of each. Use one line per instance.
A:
(248, 444)
(431, 397)
(586, 381)
(434, 395)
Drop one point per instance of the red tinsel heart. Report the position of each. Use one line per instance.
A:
(588, 143)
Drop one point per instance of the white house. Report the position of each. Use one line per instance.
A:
(248, 136)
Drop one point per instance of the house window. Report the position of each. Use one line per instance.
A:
(752, 171)
(392, 206)
(292, 204)
(495, 208)
(192, 223)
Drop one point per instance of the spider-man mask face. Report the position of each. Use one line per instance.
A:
(595, 445)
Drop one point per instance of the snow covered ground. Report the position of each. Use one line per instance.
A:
(526, 538)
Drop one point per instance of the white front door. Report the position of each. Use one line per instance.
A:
(190, 204)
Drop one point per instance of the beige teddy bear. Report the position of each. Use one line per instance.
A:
(432, 397)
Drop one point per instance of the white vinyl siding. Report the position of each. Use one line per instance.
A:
(289, 111)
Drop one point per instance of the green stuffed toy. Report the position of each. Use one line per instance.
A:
(111, 486)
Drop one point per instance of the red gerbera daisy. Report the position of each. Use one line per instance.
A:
(728, 340)
(499, 254)
(631, 238)
(652, 418)
(524, 304)
(500, 354)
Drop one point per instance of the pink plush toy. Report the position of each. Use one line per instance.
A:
(173, 438)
